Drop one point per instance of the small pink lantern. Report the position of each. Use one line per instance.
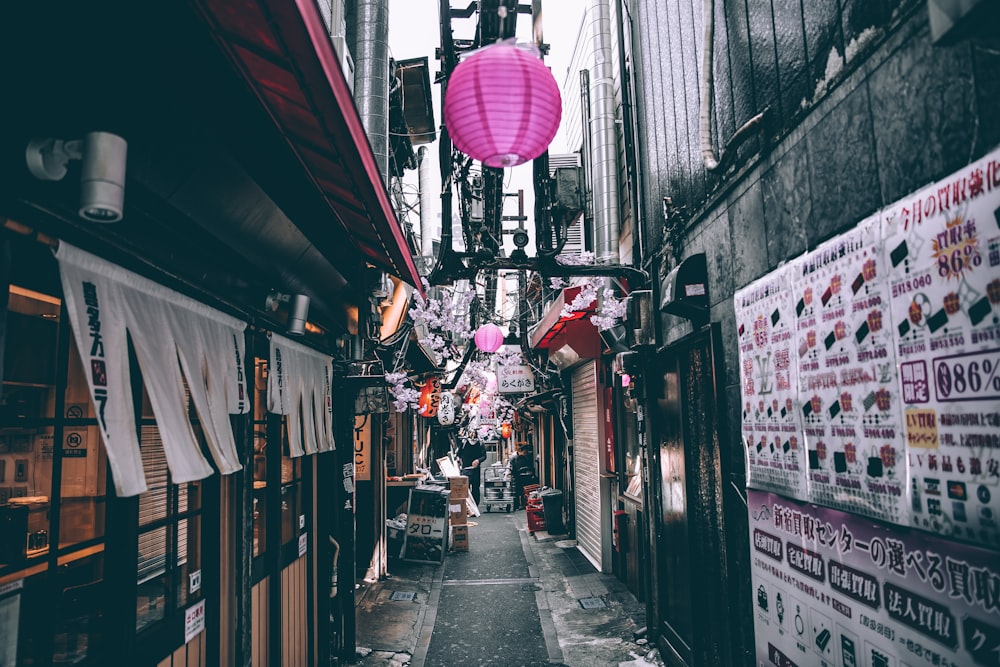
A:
(502, 106)
(489, 338)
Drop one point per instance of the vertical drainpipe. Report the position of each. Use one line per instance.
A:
(426, 203)
(371, 76)
(604, 151)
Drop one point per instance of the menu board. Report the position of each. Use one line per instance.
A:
(426, 536)
(943, 247)
(771, 418)
(847, 377)
(870, 366)
(832, 588)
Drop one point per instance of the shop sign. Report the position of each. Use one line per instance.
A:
(194, 620)
(362, 448)
(515, 380)
(194, 582)
(829, 587)
(565, 403)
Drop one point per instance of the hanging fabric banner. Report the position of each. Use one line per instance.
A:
(176, 339)
(299, 387)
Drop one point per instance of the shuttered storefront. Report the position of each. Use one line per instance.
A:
(587, 461)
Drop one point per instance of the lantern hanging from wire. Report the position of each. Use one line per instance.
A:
(505, 430)
(502, 106)
(489, 338)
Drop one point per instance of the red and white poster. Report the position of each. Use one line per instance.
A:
(847, 377)
(771, 414)
(942, 246)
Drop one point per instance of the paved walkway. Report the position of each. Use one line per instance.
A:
(514, 599)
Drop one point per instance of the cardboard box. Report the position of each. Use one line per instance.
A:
(458, 512)
(460, 538)
(459, 487)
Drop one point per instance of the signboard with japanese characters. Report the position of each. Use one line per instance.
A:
(515, 379)
(833, 588)
(771, 416)
(943, 246)
(847, 377)
(885, 342)
(426, 537)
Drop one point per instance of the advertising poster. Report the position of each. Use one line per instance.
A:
(835, 589)
(942, 246)
(847, 377)
(771, 414)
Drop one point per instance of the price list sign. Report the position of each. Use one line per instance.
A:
(847, 377)
(942, 246)
(771, 415)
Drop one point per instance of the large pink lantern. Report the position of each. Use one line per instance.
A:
(489, 338)
(502, 106)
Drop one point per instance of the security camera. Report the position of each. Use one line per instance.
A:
(520, 237)
(102, 173)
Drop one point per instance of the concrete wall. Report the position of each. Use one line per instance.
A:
(889, 113)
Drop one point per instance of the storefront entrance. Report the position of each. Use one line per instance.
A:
(690, 574)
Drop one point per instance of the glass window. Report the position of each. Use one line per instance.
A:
(51, 615)
(260, 458)
(169, 539)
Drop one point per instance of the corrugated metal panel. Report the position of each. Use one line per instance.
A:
(587, 461)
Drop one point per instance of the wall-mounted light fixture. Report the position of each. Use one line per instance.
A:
(298, 311)
(102, 172)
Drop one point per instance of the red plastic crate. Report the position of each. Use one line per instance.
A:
(536, 519)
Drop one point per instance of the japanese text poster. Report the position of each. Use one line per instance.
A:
(942, 245)
(847, 377)
(833, 588)
(771, 416)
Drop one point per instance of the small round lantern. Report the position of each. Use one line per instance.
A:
(505, 430)
(489, 338)
(502, 106)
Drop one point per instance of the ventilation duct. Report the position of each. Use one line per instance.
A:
(371, 77)
(604, 153)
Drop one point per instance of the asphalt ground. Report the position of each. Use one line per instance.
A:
(515, 599)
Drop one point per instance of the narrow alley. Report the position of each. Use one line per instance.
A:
(515, 598)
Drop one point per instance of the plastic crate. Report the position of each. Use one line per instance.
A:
(536, 519)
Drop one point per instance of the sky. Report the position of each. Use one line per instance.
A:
(414, 31)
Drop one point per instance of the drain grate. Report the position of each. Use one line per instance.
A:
(592, 603)
(403, 596)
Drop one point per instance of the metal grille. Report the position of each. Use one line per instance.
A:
(586, 460)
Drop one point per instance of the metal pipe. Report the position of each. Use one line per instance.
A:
(587, 161)
(629, 133)
(371, 76)
(426, 203)
(604, 139)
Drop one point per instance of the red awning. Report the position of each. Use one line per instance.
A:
(284, 52)
(554, 323)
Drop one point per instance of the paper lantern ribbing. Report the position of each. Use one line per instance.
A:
(489, 338)
(502, 106)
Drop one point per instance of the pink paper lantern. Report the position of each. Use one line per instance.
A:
(502, 106)
(489, 338)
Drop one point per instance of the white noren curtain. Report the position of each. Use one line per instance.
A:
(299, 386)
(176, 338)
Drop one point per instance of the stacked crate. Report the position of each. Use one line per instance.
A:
(458, 516)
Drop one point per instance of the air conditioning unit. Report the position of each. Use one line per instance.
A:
(346, 61)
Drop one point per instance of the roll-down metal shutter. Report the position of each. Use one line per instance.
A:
(586, 461)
